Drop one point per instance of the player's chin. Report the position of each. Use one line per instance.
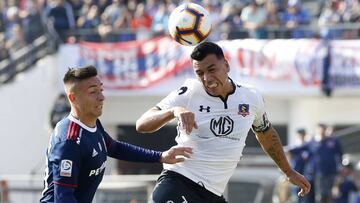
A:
(212, 90)
(98, 112)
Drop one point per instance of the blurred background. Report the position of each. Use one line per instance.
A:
(301, 55)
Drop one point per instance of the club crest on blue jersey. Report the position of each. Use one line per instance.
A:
(243, 109)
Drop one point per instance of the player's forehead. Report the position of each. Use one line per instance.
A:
(92, 82)
(208, 61)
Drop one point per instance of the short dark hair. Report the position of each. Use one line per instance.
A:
(301, 131)
(205, 48)
(74, 75)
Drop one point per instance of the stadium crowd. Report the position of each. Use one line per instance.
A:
(21, 21)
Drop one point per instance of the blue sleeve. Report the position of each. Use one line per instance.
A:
(66, 167)
(298, 150)
(64, 194)
(128, 152)
(339, 149)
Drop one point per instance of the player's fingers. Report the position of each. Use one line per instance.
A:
(183, 153)
(305, 188)
(301, 193)
(179, 160)
(195, 125)
(185, 149)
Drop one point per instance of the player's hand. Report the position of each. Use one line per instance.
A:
(175, 154)
(299, 180)
(186, 119)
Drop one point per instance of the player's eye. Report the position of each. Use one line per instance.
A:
(199, 74)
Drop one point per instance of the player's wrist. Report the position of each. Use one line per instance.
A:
(161, 158)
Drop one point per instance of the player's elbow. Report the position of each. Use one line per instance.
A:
(141, 127)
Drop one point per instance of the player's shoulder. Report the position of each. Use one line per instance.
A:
(66, 129)
(248, 89)
(190, 86)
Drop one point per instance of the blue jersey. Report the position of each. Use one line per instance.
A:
(76, 160)
(327, 156)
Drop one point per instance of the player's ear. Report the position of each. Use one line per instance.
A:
(71, 96)
(227, 65)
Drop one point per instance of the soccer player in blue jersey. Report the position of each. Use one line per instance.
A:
(214, 116)
(79, 145)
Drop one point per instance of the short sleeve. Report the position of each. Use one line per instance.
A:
(261, 122)
(178, 97)
(66, 163)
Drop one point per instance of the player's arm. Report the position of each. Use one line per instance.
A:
(128, 152)
(270, 142)
(155, 118)
(65, 170)
(63, 194)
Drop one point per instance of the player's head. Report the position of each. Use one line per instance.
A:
(84, 91)
(301, 132)
(211, 68)
(321, 131)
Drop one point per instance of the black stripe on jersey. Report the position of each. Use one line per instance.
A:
(73, 131)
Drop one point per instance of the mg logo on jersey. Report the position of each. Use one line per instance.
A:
(202, 108)
(222, 126)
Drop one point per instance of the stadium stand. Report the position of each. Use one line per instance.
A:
(30, 29)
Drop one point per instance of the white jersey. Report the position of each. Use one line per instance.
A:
(223, 126)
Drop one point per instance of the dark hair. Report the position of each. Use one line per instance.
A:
(301, 131)
(206, 48)
(77, 74)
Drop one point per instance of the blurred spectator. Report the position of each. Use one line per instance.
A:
(253, 17)
(214, 11)
(230, 21)
(152, 6)
(330, 17)
(141, 22)
(300, 159)
(61, 14)
(32, 21)
(102, 5)
(60, 110)
(160, 22)
(272, 20)
(76, 6)
(327, 159)
(115, 11)
(344, 184)
(16, 40)
(4, 52)
(12, 20)
(89, 20)
(294, 17)
(351, 15)
(105, 29)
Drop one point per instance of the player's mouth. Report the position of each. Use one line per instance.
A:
(212, 85)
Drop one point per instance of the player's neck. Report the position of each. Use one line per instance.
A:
(228, 88)
(89, 122)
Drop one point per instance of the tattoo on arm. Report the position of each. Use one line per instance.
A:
(271, 144)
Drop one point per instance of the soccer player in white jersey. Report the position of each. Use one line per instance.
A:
(214, 116)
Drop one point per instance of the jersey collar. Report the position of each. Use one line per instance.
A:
(72, 118)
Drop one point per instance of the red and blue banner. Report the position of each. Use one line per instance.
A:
(157, 66)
